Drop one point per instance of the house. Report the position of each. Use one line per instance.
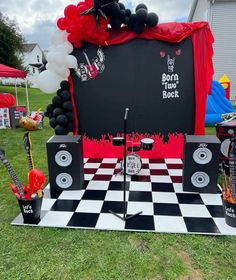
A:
(33, 60)
(221, 15)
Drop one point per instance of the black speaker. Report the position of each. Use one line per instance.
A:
(201, 161)
(65, 163)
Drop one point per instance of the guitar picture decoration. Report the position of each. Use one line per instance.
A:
(92, 69)
(17, 188)
(28, 148)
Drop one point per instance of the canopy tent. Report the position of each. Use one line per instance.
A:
(9, 72)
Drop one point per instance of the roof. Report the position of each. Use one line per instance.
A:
(29, 47)
(9, 72)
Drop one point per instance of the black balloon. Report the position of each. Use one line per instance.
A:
(59, 91)
(141, 15)
(128, 12)
(141, 6)
(152, 20)
(67, 105)
(62, 120)
(50, 108)
(113, 9)
(133, 18)
(70, 116)
(53, 122)
(122, 14)
(59, 130)
(70, 127)
(65, 95)
(105, 1)
(46, 114)
(126, 20)
(115, 23)
(65, 85)
(57, 112)
(138, 28)
(122, 6)
(57, 101)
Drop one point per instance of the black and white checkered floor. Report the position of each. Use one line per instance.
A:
(156, 191)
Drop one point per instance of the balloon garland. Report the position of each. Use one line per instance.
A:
(80, 25)
(60, 111)
(87, 21)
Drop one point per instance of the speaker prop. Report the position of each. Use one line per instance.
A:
(201, 160)
(65, 163)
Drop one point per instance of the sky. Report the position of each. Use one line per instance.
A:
(37, 19)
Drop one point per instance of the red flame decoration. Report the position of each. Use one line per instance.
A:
(103, 148)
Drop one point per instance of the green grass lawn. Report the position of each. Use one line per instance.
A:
(47, 253)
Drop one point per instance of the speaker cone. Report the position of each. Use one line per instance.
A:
(200, 179)
(202, 156)
(63, 158)
(64, 180)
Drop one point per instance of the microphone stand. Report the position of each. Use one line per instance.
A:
(125, 216)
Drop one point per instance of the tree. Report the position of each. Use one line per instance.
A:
(11, 42)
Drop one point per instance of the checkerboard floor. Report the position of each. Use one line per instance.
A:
(156, 191)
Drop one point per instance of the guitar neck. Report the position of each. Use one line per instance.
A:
(88, 61)
(30, 160)
(13, 176)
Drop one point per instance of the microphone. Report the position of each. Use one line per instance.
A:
(126, 113)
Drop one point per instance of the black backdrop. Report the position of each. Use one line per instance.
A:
(133, 78)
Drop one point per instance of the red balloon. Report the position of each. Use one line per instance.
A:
(81, 8)
(77, 44)
(70, 11)
(61, 23)
(71, 38)
(88, 3)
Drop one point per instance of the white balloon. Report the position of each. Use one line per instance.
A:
(59, 37)
(59, 59)
(66, 74)
(68, 47)
(64, 35)
(71, 62)
(51, 66)
(50, 56)
(65, 47)
(48, 81)
(62, 71)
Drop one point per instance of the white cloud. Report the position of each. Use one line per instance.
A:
(37, 19)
